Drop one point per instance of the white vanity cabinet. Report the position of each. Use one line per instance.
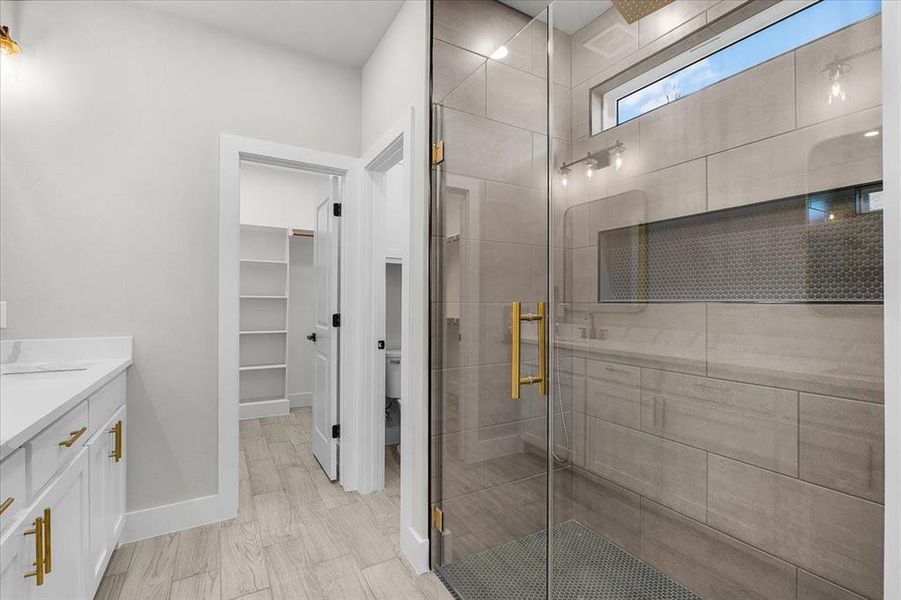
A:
(107, 459)
(70, 510)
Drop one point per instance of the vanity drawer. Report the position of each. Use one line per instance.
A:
(57, 445)
(105, 402)
(12, 487)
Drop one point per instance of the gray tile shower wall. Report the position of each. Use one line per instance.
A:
(737, 447)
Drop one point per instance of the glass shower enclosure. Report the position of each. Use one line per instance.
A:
(656, 299)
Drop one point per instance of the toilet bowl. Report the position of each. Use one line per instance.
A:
(392, 373)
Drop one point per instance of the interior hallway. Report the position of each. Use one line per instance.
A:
(296, 536)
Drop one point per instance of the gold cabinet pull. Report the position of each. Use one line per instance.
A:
(38, 533)
(48, 543)
(6, 504)
(541, 378)
(117, 447)
(73, 437)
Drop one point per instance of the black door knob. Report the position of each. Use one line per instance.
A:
(312, 337)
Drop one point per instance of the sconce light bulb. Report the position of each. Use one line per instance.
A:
(589, 171)
(564, 182)
(835, 71)
(618, 162)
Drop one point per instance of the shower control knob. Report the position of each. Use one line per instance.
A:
(312, 337)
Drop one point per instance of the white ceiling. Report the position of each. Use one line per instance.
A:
(345, 31)
(569, 15)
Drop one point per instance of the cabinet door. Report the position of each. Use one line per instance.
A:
(115, 498)
(67, 499)
(107, 496)
(16, 558)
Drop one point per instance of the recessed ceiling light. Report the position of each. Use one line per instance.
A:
(873, 133)
(500, 53)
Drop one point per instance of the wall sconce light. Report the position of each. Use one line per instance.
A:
(591, 165)
(564, 170)
(8, 45)
(834, 72)
(616, 155)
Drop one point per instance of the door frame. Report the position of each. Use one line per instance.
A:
(232, 150)
(398, 140)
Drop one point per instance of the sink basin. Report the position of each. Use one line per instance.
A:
(51, 367)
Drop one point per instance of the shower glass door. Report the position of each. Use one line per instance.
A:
(686, 197)
(489, 257)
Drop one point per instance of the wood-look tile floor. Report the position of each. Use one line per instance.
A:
(296, 536)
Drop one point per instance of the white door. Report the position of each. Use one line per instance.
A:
(325, 392)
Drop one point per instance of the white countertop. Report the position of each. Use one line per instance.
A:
(29, 402)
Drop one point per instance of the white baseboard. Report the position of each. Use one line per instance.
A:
(300, 399)
(169, 518)
(415, 549)
(264, 408)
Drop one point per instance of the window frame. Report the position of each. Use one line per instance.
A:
(610, 99)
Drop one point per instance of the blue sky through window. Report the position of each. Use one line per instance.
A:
(796, 30)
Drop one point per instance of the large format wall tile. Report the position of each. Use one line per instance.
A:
(668, 472)
(828, 533)
(834, 350)
(451, 66)
(612, 512)
(478, 26)
(825, 156)
(664, 20)
(754, 424)
(613, 393)
(496, 272)
(659, 336)
(516, 98)
(747, 107)
(514, 214)
(842, 445)
(860, 47)
(709, 563)
(470, 96)
(811, 587)
(487, 149)
(672, 192)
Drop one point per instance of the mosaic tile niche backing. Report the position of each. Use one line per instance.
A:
(818, 248)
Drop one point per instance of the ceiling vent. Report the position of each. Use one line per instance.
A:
(611, 41)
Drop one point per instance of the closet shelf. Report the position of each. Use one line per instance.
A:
(263, 331)
(259, 261)
(256, 297)
(262, 367)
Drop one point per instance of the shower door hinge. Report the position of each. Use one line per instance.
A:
(336, 209)
(336, 431)
(437, 519)
(438, 152)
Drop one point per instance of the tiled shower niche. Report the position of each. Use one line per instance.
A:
(817, 248)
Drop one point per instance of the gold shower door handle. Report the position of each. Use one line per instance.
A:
(516, 380)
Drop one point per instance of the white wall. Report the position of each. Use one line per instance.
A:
(301, 290)
(108, 220)
(394, 79)
(281, 197)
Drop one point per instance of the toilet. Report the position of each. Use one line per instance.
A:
(392, 374)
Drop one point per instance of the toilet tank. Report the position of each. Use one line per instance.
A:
(392, 373)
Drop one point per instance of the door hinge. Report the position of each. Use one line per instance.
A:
(381, 344)
(336, 320)
(438, 519)
(336, 209)
(438, 152)
(336, 431)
